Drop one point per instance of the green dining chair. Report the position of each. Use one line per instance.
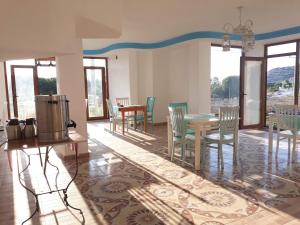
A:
(184, 107)
(179, 135)
(287, 124)
(114, 118)
(150, 114)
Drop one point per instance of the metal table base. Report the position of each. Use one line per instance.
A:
(63, 190)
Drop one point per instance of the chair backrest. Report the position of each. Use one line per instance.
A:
(122, 101)
(177, 122)
(287, 117)
(110, 108)
(229, 119)
(182, 105)
(150, 104)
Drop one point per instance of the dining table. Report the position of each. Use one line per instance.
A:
(135, 109)
(200, 123)
(27, 147)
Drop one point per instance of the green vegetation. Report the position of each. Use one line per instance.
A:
(228, 88)
(47, 86)
(273, 87)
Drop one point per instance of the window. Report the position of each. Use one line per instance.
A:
(96, 87)
(281, 75)
(225, 77)
(25, 79)
(46, 72)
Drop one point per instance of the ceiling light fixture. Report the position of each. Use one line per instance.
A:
(244, 30)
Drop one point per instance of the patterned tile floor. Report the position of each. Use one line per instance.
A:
(130, 180)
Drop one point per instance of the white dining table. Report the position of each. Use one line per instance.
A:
(200, 123)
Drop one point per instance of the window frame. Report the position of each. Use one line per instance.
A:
(106, 91)
(35, 65)
(296, 53)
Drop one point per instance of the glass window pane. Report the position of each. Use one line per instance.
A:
(225, 77)
(280, 81)
(283, 48)
(25, 92)
(252, 84)
(94, 89)
(47, 80)
(94, 62)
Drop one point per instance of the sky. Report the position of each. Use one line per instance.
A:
(225, 64)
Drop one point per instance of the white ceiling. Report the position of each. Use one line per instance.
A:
(157, 20)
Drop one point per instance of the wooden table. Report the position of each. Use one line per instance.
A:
(200, 123)
(29, 145)
(135, 109)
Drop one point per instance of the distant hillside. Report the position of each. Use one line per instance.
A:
(281, 73)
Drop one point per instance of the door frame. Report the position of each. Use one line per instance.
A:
(13, 84)
(261, 124)
(104, 92)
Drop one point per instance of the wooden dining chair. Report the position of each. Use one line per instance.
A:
(124, 101)
(179, 135)
(150, 109)
(185, 110)
(182, 105)
(114, 118)
(227, 132)
(287, 117)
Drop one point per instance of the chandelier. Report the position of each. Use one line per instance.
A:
(243, 30)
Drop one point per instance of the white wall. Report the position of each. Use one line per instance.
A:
(161, 84)
(70, 80)
(179, 73)
(118, 72)
(133, 77)
(145, 75)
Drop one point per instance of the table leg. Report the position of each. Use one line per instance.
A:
(145, 120)
(135, 115)
(271, 136)
(37, 205)
(46, 159)
(197, 148)
(123, 121)
(170, 137)
(75, 148)
(9, 157)
(41, 160)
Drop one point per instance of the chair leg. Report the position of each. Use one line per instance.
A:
(220, 152)
(235, 144)
(294, 144)
(114, 126)
(183, 152)
(277, 143)
(172, 151)
(289, 144)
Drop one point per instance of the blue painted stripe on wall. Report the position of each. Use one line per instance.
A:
(188, 37)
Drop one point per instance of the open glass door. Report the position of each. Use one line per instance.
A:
(95, 92)
(24, 88)
(252, 85)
